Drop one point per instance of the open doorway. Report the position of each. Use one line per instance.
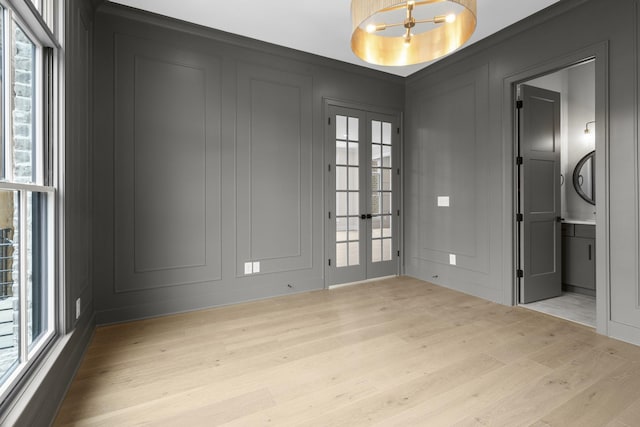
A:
(556, 215)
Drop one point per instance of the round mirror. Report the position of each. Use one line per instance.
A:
(584, 178)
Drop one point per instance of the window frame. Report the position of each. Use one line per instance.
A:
(39, 26)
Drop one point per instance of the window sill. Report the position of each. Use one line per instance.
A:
(36, 400)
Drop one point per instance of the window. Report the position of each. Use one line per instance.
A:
(27, 188)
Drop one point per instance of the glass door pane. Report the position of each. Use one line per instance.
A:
(381, 191)
(347, 191)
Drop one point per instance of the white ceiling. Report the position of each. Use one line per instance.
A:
(322, 28)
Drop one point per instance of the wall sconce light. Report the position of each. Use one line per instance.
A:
(587, 131)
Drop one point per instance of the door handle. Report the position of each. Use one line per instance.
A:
(589, 252)
(365, 216)
(368, 216)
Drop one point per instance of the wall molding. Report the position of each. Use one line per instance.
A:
(255, 45)
(475, 82)
(138, 162)
(253, 81)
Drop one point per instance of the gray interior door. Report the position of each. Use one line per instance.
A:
(539, 194)
(362, 187)
(383, 180)
(345, 195)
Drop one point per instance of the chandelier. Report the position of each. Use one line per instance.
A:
(440, 35)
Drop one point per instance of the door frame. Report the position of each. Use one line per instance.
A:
(326, 203)
(600, 54)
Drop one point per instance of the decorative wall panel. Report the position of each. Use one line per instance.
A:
(274, 146)
(452, 134)
(167, 161)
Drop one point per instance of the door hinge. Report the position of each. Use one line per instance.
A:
(398, 253)
(329, 214)
(329, 123)
(329, 167)
(519, 217)
(519, 160)
(329, 261)
(398, 131)
(398, 212)
(398, 171)
(519, 104)
(520, 274)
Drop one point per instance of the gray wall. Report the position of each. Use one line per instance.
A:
(581, 107)
(459, 142)
(77, 158)
(208, 153)
(446, 154)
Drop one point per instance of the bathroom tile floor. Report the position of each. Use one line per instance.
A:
(570, 306)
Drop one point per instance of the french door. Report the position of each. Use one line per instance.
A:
(363, 187)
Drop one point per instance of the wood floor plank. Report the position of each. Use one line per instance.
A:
(469, 397)
(399, 397)
(547, 392)
(630, 417)
(393, 352)
(601, 402)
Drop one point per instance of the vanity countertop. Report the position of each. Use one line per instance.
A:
(579, 221)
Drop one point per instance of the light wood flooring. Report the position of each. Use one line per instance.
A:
(398, 352)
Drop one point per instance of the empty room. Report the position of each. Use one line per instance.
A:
(344, 213)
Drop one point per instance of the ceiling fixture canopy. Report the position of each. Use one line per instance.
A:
(441, 34)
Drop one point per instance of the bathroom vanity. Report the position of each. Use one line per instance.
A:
(579, 256)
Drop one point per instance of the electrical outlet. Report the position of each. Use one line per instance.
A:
(77, 308)
(452, 259)
(248, 268)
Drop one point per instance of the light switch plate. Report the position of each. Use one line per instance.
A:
(256, 266)
(452, 259)
(443, 201)
(248, 267)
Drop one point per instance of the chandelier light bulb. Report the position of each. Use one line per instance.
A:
(450, 18)
(372, 28)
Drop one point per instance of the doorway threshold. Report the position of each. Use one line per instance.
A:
(375, 279)
(570, 306)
